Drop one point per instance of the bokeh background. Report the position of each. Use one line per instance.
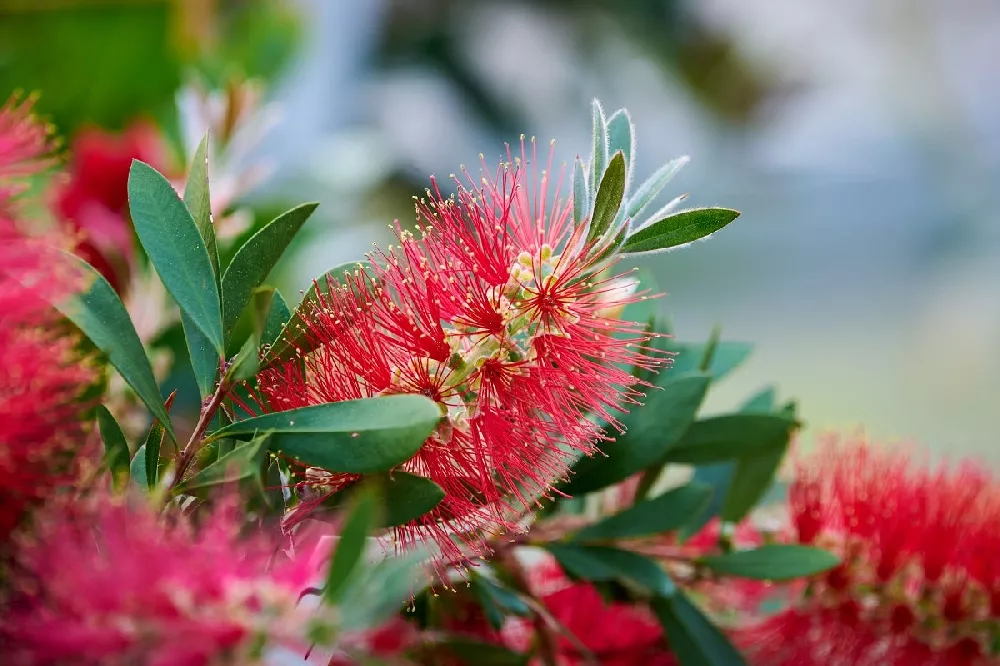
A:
(860, 138)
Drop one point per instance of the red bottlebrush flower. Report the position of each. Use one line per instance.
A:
(613, 633)
(41, 372)
(94, 200)
(107, 582)
(918, 584)
(496, 309)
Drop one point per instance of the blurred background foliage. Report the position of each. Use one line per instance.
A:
(859, 139)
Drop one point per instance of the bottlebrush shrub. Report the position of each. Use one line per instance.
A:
(489, 387)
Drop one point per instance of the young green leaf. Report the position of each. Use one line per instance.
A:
(773, 562)
(581, 196)
(731, 437)
(680, 228)
(621, 136)
(652, 430)
(649, 189)
(101, 316)
(255, 259)
(241, 463)
(693, 638)
(361, 521)
(726, 357)
(600, 563)
(408, 497)
(608, 199)
(116, 453)
(271, 313)
(176, 249)
(357, 436)
(664, 513)
(198, 202)
(137, 469)
(599, 158)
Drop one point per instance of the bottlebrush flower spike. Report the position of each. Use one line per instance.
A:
(497, 308)
(919, 583)
(24, 146)
(107, 582)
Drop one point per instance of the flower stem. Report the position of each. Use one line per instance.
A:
(194, 444)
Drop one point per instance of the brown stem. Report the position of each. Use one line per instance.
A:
(194, 444)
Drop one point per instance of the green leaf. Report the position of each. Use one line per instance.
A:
(408, 497)
(375, 594)
(477, 653)
(137, 469)
(773, 562)
(601, 563)
(361, 522)
(752, 478)
(205, 361)
(621, 136)
(681, 228)
(356, 436)
(245, 364)
(726, 357)
(763, 402)
(599, 158)
(581, 196)
(102, 317)
(271, 313)
(243, 462)
(116, 453)
(198, 202)
(176, 249)
(731, 437)
(255, 259)
(664, 513)
(608, 199)
(497, 601)
(718, 477)
(293, 336)
(652, 430)
(649, 189)
(692, 637)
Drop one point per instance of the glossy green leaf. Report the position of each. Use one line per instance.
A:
(497, 601)
(664, 513)
(245, 364)
(773, 562)
(718, 477)
(652, 430)
(608, 199)
(681, 228)
(357, 436)
(752, 478)
(176, 249)
(581, 196)
(599, 156)
(99, 313)
(205, 360)
(601, 563)
(692, 636)
(646, 192)
(471, 652)
(116, 453)
(293, 336)
(198, 202)
(271, 313)
(725, 357)
(731, 437)
(362, 519)
(255, 259)
(137, 469)
(243, 462)
(408, 496)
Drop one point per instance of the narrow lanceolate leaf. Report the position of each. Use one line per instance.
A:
(722, 359)
(294, 336)
(621, 136)
(680, 228)
(665, 513)
(581, 195)
(408, 497)
(362, 520)
(753, 476)
(102, 317)
(649, 189)
(255, 259)
(198, 202)
(271, 313)
(176, 249)
(692, 636)
(149, 470)
(773, 562)
(731, 437)
(357, 436)
(652, 429)
(608, 199)
(205, 360)
(600, 563)
(243, 462)
(116, 453)
(599, 158)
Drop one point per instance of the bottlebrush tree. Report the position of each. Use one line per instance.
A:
(451, 452)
